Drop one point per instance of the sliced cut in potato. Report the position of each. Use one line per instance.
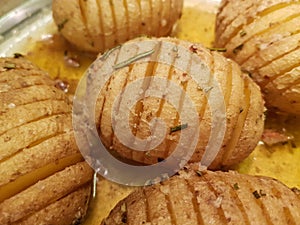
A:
(99, 25)
(242, 98)
(204, 197)
(264, 39)
(44, 179)
(63, 210)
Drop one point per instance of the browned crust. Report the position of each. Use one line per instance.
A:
(45, 192)
(210, 197)
(65, 211)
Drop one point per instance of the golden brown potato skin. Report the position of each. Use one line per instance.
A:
(209, 198)
(242, 98)
(263, 37)
(44, 179)
(98, 25)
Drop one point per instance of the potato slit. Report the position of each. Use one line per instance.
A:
(21, 82)
(147, 207)
(151, 14)
(288, 201)
(219, 209)
(270, 31)
(20, 116)
(56, 128)
(169, 13)
(139, 108)
(114, 28)
(195, 203)
(13, 75)
(25, 181)
(279, 58)
(177, 121)
(83, 9)
(289, 216)
(237, 200)
(59, 184)
(286, 211)
(259, 203)
(27, 160)
(82, 12)
(229, 22)
(101, 22)
(125, 3)
(223, 5)
(162, 103)
(49, 92)
(75, 199)
(140, 15)
(170, 209)
(107, 85)
(283, 71)
(33, 121)
(262, 14)
(254, 55)
(228, 84)
(239, 124)
(119, 102)
(159, 13)
(291, 86)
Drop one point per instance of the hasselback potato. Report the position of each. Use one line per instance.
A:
(243, 114)
(209, 198)
(44, 179)
(263, 37)
(98, 25)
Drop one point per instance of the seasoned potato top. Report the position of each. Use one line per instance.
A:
(98, 25)
(204, 197)
(242, 100)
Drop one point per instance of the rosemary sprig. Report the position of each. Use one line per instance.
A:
(178, 128)
(236, 186)
(238, 48)
(133, 59)
(18, 55)
(107, 53)
(218, 49)
(62, 24)
(243, 33)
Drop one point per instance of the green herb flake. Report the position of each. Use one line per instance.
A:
(247, 72)
(108, 52)
(133, 59)
(62, 24)
(9, 65)
(243, 33)
(236, 186)
(262, 193)
(178, 128)
(238, 48)
(18, 55)
(218, 49)
(199, 173)
(256, 194)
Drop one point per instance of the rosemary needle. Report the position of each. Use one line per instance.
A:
(107, 53)
(133, 59)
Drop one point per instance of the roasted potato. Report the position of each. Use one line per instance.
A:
(209, 198)
(244, 113)
(263, 37)
(98, 25)
(44, 179)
